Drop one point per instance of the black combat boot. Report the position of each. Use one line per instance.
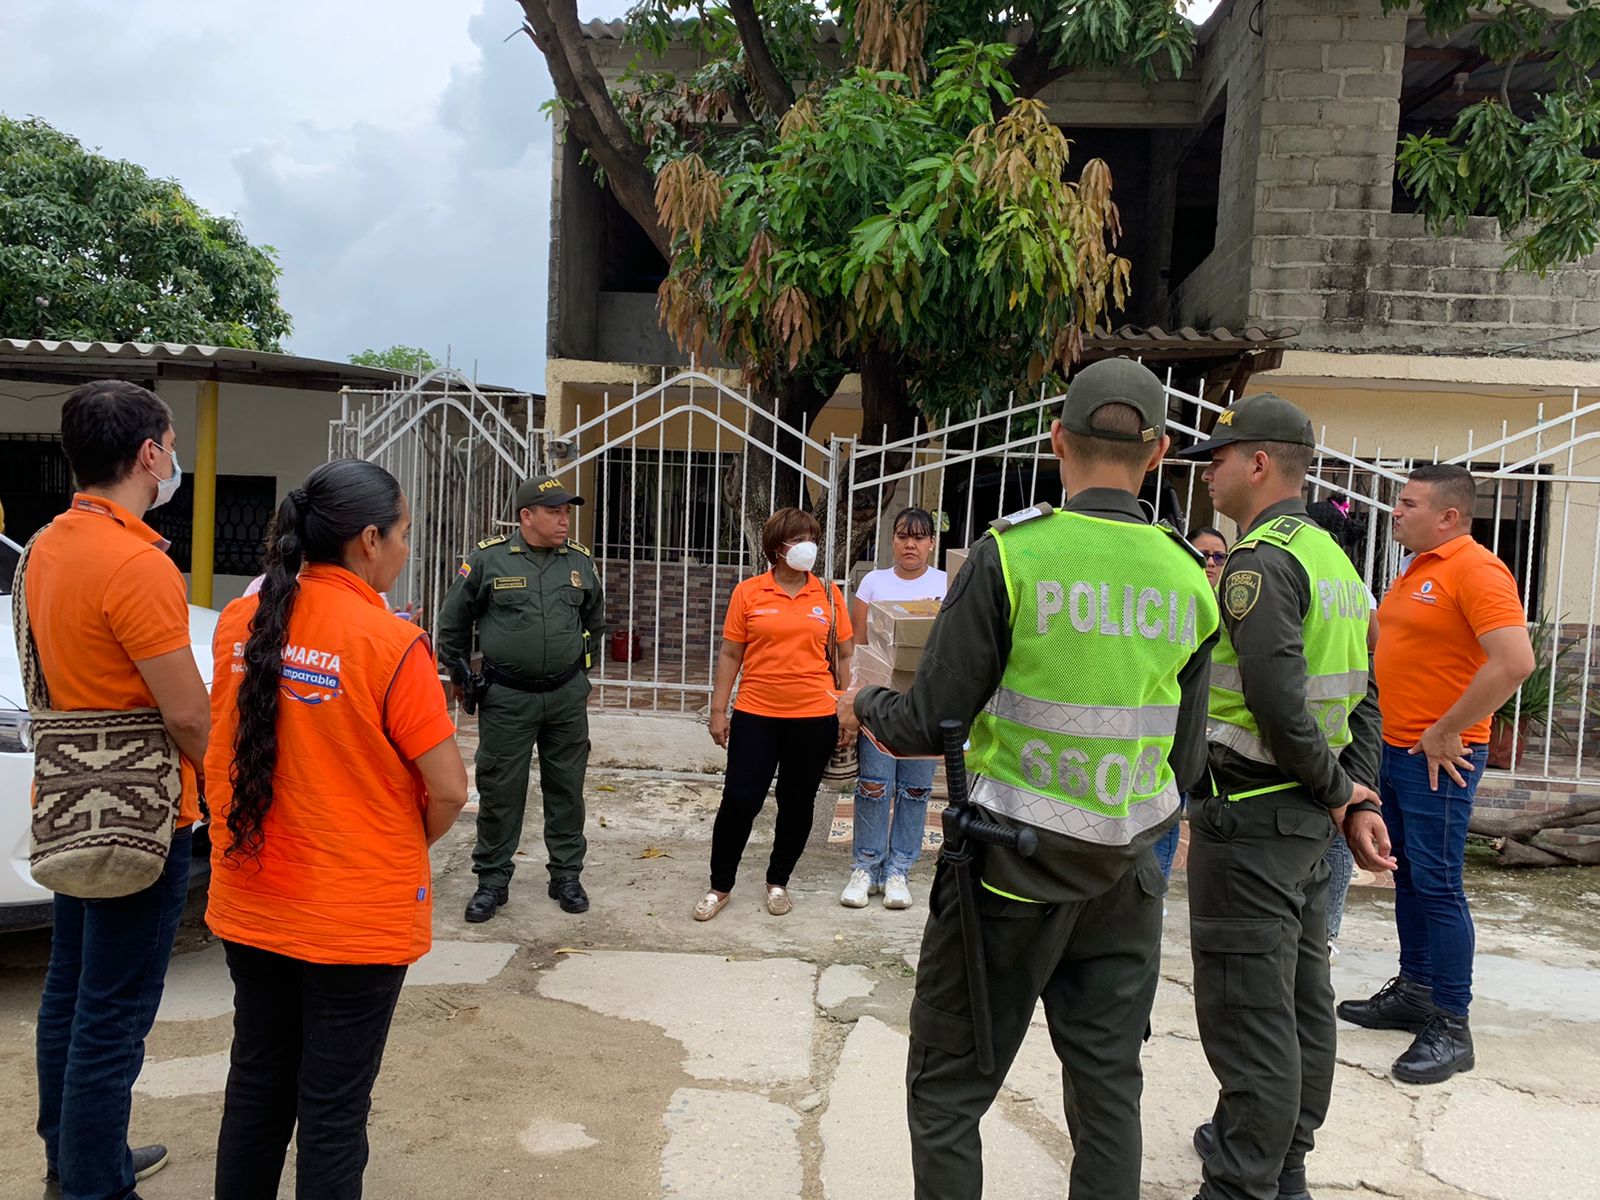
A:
(1398, 1004)
(1291, 1181)
(485, 902)
(1442, 1049)
(570, 893)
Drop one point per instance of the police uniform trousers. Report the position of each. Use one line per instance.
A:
(1258, 903)
(1095, 963)
(510, 724)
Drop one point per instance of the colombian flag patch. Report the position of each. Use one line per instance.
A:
(464, 570)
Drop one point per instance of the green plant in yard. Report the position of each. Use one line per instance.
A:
(1552, 686)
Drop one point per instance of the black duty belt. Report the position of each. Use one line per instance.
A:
(494, 673)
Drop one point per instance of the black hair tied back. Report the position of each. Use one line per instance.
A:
(314, 524)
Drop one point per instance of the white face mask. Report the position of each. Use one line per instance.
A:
(801, 556)
(168, 487)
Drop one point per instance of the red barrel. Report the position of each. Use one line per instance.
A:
(625, 646)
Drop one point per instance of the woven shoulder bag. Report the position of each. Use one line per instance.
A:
(107, 785)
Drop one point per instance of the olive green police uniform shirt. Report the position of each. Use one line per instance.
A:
(959, 671)
(531, 605)
(1272, 668)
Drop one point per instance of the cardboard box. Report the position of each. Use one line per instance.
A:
(872, 669)
(954, 559)
(898, 630)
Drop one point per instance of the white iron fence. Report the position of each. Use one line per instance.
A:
(679, 478)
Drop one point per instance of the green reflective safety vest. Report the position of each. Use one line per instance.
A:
(1334, 633)
(1104, 614)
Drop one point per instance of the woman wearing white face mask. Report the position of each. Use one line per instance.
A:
(775, 645)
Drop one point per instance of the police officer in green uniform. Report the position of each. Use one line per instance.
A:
(1075, 644)
(1293, 759)
(536, 601)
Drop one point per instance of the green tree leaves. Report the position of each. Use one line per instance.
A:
(92, 248)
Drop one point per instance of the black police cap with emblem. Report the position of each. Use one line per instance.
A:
(1260, 418)
(1115, 381)
(545, 490)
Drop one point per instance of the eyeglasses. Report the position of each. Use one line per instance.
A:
(1215, 557)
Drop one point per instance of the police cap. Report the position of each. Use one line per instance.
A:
(1115, 381)
(1260, 418)
(544, 490)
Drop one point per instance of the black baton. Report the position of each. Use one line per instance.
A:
(962, 825)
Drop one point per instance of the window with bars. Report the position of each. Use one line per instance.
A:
(662, 505)
(245, 504)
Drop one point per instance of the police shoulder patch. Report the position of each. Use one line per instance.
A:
(1281, 530)
(579, 547)
(1240, 591)
(491, 541)
(1021, 517)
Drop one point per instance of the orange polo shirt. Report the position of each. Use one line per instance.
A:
(785, 638)
(342, 875)
(102, 596)
(1428, 629)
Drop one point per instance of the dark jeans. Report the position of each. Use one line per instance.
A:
(797, 750)
(308, 1040)
(108, 962)
(1428, 830)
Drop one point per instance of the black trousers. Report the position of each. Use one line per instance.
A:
(796, 750)
(1258, 911)
(1095, 963)
(308, 1039)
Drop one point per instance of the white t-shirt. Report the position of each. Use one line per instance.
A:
(886, 585)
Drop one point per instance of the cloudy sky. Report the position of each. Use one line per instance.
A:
(394, 154)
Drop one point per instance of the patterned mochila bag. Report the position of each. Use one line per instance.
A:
(843, 765)
(106, 784)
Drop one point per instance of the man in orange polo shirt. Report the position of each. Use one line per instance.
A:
(111, 623)
(1452, 648)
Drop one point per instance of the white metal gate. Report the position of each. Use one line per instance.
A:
(459, 453)
(680, 476)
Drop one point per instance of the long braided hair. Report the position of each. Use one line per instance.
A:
(314, 524)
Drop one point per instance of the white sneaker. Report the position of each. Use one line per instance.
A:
(855, 892)
(895, 892)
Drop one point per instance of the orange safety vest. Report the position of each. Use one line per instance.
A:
(343, 874)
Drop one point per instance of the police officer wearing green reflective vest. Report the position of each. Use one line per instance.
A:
(1293, 759)
(1075, 646)
(536, 601)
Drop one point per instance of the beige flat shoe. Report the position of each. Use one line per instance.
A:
(710, 905)
(778, 902)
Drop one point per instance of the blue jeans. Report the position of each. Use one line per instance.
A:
(1167, 848)
(1428, 830)
(108, 962)
(1341, 867)
(882, 849)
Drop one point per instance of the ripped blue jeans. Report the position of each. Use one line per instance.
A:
(888, 844)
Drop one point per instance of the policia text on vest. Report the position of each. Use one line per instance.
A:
(1075, 646)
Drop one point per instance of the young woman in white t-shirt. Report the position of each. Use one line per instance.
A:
(887, 844)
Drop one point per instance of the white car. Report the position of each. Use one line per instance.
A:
(23, 903)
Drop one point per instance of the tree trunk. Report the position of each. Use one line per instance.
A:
(1518, 843)
(887, 416)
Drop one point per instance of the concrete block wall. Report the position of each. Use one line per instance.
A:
(1232, 59)
(1330, 257)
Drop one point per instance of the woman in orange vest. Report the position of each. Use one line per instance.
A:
(333, 767)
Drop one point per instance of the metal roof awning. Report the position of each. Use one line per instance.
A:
(144, 362)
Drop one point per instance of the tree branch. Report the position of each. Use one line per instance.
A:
(775, 88)
(553, 26)
(1030, 67)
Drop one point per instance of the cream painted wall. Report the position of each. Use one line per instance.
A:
(1435, 422)
(280, 432)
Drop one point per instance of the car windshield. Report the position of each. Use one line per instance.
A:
(10, 552)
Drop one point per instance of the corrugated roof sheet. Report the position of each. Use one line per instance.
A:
(146, 360)
(1187, 342)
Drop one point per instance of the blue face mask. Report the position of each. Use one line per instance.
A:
(168, 487)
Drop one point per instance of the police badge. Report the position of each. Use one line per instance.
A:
(1241, 590)
(577, 580)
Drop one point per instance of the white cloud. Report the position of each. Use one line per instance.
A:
(394, 155)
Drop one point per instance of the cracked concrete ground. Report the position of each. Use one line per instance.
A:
(633, 1053)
